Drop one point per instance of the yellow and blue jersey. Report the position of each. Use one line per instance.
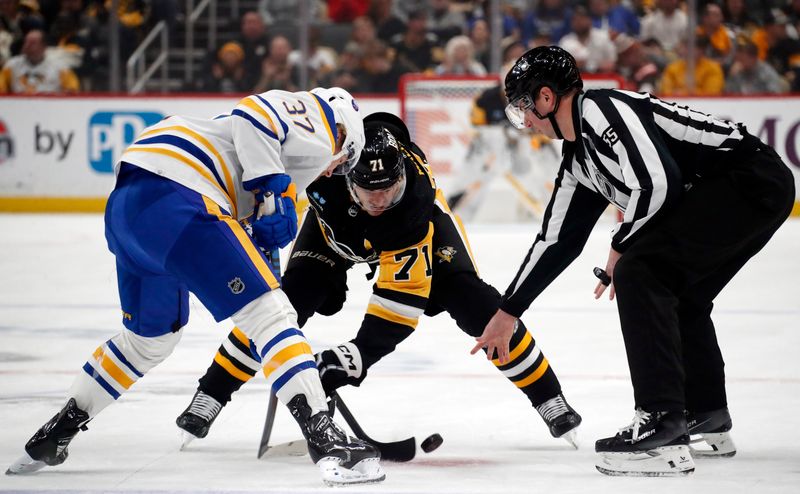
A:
(267, 133)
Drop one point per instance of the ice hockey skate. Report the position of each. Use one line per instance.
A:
(561, 419)
(710, 434)
(342, 460)
(654, 445)
(196, 420)
(48, 447)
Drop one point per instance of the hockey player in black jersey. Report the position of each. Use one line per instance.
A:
(389, 213)
(699, 197)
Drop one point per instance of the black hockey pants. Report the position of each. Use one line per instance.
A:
(667, 281)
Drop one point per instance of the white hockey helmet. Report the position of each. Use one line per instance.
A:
(347, 114)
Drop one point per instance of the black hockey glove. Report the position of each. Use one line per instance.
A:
(340, 366)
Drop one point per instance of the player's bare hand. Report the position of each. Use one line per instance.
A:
(613, 257)
(496, 336)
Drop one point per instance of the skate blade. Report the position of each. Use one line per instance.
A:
(186, 439)
(571, 437)
(366, 471)
(297, 447)
(24, 465)
(720, 443)
(666, 461)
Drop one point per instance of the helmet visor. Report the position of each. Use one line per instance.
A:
(347, 159)
(378, 200)
(515, 110)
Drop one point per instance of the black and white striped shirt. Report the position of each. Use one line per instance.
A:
(634, 151)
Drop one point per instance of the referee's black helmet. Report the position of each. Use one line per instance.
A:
(550, 66)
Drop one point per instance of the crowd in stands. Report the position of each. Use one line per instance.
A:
(365, 46)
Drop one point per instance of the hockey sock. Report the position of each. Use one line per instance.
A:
(233, 365)
(116, 365)
(528, 369)
(271, 322)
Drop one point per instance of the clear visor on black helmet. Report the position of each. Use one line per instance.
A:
(346, 159)
(378, 200)
(515, 110)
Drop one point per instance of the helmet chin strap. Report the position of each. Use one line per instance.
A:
(552, 117)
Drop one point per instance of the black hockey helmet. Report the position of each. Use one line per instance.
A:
(378, 180)
(549, 66)
(393, 124)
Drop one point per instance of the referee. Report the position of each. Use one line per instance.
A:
(699, 197)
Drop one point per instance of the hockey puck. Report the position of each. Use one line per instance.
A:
(431, 443)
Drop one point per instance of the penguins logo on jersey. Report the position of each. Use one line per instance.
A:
(236, 285)
(353, 211)
(445, 253)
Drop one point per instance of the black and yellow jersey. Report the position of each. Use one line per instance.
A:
(399, 242)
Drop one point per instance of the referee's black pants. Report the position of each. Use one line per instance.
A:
(666, 282)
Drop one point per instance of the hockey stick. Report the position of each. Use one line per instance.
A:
(398, 451)
(274, 255)
(272, 406)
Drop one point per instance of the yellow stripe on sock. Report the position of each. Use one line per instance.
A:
(230, 368)
(285, 355)
(239, 335)
(536, 374)
(521, 347)
(113, 369)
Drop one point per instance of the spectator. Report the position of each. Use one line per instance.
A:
(254, 40)
(347, 67)
(321, 59)
(9, 27)
(613, 18)
(749, 75)
(378, 73)
(709, 79)
(71, 31)
(737, 17)
(33, 72)
(548, 20)
(228, 73)
(347, 10)
(416, 48)
(444, 21)
(783, 51)
(591, 47)
(387, 24)
(667, 24)
(481, 40)
(276, 71)
(459, 59)
(640, 72)
(512, 51)
(363, 31)
(721, 39)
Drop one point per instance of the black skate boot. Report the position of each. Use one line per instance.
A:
(196, 420)
(342, 460)
(561, 419)
(713, 429)
(655, 444)
(48, 447)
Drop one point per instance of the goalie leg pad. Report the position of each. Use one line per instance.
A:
(665, 461)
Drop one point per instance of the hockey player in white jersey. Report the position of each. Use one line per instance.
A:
(174, 223)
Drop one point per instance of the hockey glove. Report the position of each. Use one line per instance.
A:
(340, 366)
(276, 230)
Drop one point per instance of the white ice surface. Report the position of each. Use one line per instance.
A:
(58, 301)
